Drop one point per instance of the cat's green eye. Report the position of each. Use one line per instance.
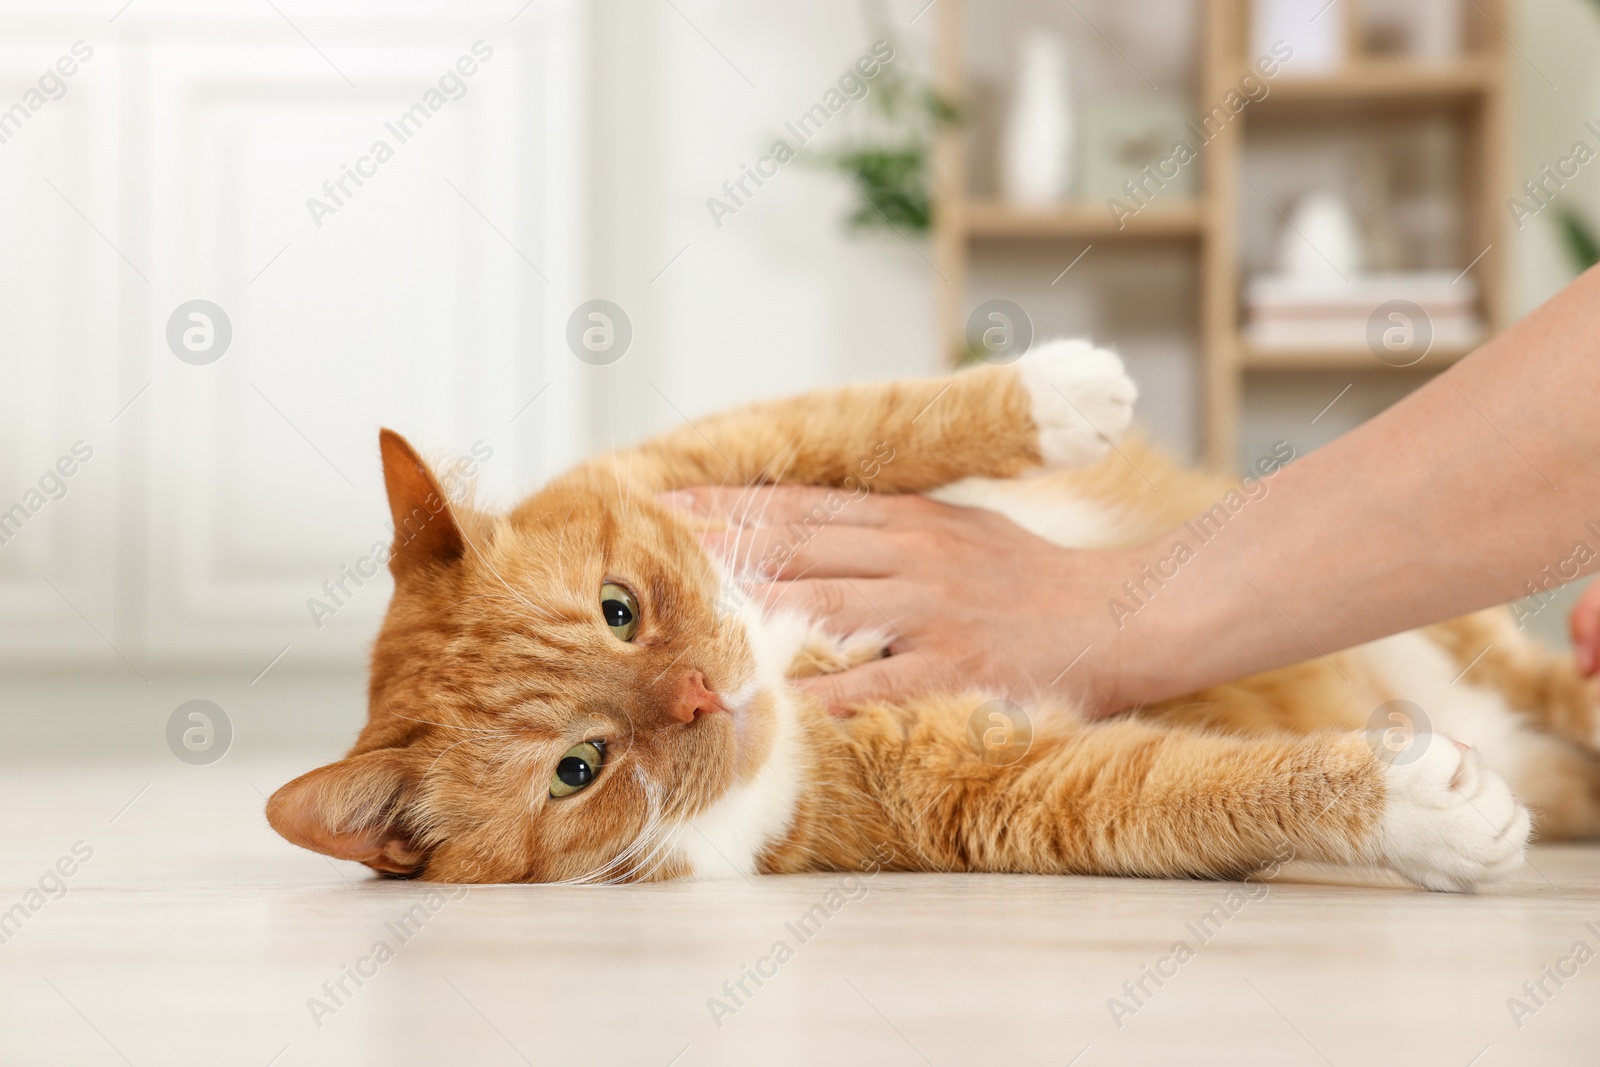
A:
(621, 611)
(577, 768)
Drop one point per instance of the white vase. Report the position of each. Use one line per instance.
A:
(1036, 147)
(1323, 243)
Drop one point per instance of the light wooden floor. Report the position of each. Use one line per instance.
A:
(194, 936)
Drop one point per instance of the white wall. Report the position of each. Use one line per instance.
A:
(182, 161)
(777, 299)
(1556, 83)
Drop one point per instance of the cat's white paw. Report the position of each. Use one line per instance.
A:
(1082, 400)
(1449, 822)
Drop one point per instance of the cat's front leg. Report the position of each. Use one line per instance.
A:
(1063, 404)
(1080, 400)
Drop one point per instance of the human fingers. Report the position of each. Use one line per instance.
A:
(1584, 622)
(845, 606)
(792, 551)
(776, 505)
(893, 679)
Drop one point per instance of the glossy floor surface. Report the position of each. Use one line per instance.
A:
(187, 933)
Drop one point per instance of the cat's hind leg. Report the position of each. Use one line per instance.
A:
(1526, 712)
(1560, 782)
(1489, 650)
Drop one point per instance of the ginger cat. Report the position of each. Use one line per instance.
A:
(560, 695)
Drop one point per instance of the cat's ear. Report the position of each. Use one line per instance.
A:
(352, 810)
(425, 527)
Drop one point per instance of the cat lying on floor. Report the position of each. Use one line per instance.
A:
(560, 694)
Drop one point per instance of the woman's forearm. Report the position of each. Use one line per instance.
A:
(1454, 499)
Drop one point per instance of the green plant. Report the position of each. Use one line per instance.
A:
(888, 161)
(1579, 237)
(1576, 233)
(893, 176)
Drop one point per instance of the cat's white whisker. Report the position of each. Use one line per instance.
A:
(647, 835)
(653, 818)
(664, 854)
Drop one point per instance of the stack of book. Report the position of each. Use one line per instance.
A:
(1289, 313)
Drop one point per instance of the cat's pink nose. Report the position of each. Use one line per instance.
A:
(689, 697)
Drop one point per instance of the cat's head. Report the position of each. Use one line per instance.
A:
(553, 693)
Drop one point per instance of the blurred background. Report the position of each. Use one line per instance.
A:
(240, 236)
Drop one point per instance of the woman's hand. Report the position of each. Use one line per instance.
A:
(1585, 624)
(968, 598)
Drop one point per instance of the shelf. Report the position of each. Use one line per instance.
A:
(1384, 83)
(991, 218)
(1367, 97)
(1352, 359)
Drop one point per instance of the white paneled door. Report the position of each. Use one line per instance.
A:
(237, 239)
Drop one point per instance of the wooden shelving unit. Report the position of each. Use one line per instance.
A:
(995, 219)
(1472, 90)
(1389, 82)
(1252, 358)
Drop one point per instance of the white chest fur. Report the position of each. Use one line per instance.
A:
(726, 839)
